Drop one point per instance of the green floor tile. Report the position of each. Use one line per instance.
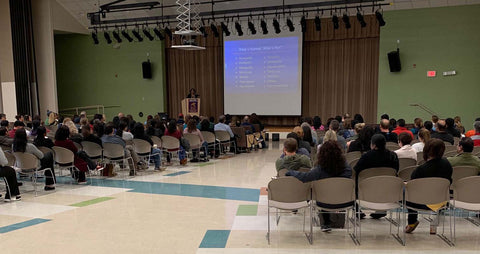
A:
(247, 210)
(91, 202)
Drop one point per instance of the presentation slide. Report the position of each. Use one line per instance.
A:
(263, 75)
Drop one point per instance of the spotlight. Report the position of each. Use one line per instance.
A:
(238, 27)
(303, 24)
(361, 20)
(290, 25)
(127, 36)
(381, 21)
(147, 33)
(159, 34)
(107, 37)
(214, 29)
(116, 35)
(318, 23)
(95, 37)
(251, 27)
(203, 31)
(169, 33)
(137, 35)
(263, 25)
(276, 26)
(225, 29)
(335, 21)
(346, 20)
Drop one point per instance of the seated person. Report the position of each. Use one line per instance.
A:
(87, 134)
(476, 136)
(423, 136)
(331, 163)
(139, 133)
(173, 131)
(401, 128)
(110, 137)
(468, 134)
(192, 129)
(362, 143)
(378, 156)
(301, 142)
(292, 160)
(406, 150)
(11, 177)
(299, 149)
(417, 125)
(20, 144)
(17, 125)
(451, 128)
(5, 140)
(442, 132)
(384, 129)
(41, 139)
(434, 166)
(465, 156)
(246, 122)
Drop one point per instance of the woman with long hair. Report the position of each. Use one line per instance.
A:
(139, 133)
(192, 129)
(20, 144)
(362, 144)
(173, 131)
(41, 139)
(331, 163)
(423, 136)
(62, 140)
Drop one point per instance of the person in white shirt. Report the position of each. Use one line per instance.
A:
(221, 126)
(406, 150)
(423, 136)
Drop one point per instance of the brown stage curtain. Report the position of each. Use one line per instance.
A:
(340, 73)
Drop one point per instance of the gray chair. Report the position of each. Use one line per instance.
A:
(420, 159)
(380, 171)
(195, 143)
(288, 194)
(430, 190)
(351, 156)
(460, 172)
(170, 145)
(338, 192)
(383, 193)
(143, 149)
(224, 139)
(406, 162)
(64, 158)
(115, 153)
(30, 165)
(406, 173)
(466, 198)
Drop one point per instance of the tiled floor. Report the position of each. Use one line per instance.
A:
(215, 207)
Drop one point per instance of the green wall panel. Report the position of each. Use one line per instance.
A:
(89, 74)
(440, 39)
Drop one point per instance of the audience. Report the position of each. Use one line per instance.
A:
(331, 163)
(5, 139)
(110, 137)
(10, 177)
(459, 125)
(434, 166)
(173, 131)
(417, 125)
(41, 139)
(476, 136)
(362, 143)
(317, 123)
(192, 129)
(434, 122)
(139, 133)
(291, 160)
(384, 129)
(301, 142)
(16, 126)
(428, 126)
(450, 123)
(299, 149)
(335, 126)
(401, 128)
(469, 133)
(406, 150)
(62, 140)
(441, 132)
(465, 156)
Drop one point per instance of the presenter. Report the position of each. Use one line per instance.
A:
(193, 94)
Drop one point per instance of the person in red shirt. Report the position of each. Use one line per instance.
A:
(401, 128)
(61, 139)
(476, 136)
(471, 132)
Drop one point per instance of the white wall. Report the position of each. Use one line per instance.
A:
(9, 101)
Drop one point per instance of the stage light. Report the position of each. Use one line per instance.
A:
(107, 37)
(137, 35)
(168, 32)
(127, 36)
(303, 24)
(318, 23)
(238, 27)
(263, 25)
(116, 35)
(251, 27)
(290, 25)
(276, 26)
(361, 20)
(335, 21)
(381, 21)
(225, 29)
(346, 20)
(148, 34)
(159, 34)
(95, 37)
(214, 29)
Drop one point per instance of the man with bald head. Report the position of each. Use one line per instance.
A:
(441, 133)
(384, 129)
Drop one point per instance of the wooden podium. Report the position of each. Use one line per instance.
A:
(191, 106)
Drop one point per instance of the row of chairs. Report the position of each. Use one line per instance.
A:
(379, 193)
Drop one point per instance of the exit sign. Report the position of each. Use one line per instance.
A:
(431, 74)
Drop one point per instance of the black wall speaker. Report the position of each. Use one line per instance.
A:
(147, 70)
(394, 61)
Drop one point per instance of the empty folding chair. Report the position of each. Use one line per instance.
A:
(465, 197)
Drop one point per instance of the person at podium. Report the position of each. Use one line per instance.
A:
(193, 93)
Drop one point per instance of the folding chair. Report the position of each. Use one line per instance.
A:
(382, 193)
(430, 190)
(115, 153)
(351, 156)
(143, 149)
(406, 173)
(406, 162)
(288, 194)
(392, 146)
(30, 165)
(420, 159)
(195, 143)
(170, 144)
(380, 171)
(64, 158)
(466, 198)
(336, 192)
(210, 139)
(224, 138)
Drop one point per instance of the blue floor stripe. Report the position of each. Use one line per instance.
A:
(189, 190)
(21, 225)
(215, 239)
(178, 173)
